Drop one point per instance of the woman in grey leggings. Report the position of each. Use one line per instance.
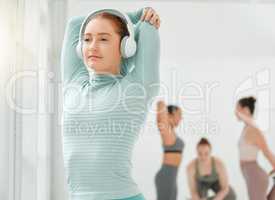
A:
(207, 173)
(251, 142)
(168, 118)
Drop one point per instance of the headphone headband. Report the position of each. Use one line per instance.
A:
(120, 14)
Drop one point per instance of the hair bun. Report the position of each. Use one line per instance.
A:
(253, 99)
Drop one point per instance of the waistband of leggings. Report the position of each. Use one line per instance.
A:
(169, 166)
(247, 162)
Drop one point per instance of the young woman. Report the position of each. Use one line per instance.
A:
(168, 118)
(208, 173)
(105, 109)
(251, 143)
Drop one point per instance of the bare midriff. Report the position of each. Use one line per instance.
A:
(172, 158)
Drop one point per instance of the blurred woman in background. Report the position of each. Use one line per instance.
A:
(206, 173)
(168, 118)
(251, 142)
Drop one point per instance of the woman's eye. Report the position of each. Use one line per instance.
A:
(88, 39)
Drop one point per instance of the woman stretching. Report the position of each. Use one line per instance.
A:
(107, 90)
(168, 118)
(208, 173)
(251, 142)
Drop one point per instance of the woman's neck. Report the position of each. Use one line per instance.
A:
(205, 162)
(249, 121)
(111, 72)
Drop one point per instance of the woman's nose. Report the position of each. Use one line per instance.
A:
(93, 45)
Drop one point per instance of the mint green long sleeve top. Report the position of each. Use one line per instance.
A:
(103, 114)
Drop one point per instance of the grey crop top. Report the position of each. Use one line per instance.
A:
(177, 147)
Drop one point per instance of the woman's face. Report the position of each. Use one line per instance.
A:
(175, 118)
(101, 46)
(242, 110)
(204, 152)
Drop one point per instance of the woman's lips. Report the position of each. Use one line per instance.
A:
(94, 57)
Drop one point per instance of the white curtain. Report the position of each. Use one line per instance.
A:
(30, 50)
(7, 66)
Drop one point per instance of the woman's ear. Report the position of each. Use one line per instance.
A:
(169, 119)
(246, 117)
(173, 120)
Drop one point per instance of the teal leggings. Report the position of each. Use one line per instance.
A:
(137, 197)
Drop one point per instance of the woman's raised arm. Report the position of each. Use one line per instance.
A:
(73, 68)
(147, 58)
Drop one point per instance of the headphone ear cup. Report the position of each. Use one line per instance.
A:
(132, 46)
(127, 47)
(78, 50)
(123, 47)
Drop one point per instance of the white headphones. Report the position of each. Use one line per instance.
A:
(128, 44)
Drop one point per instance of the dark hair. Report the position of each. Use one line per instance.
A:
(204, 141)
(172, 109)
(121, 27)
(248, 102)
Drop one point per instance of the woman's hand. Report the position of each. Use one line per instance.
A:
(150, 15)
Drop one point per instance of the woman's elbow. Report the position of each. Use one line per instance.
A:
(74, 21)
(267, 153)
(269, 156)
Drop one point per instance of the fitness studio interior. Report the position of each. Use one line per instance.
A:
(212, 53)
